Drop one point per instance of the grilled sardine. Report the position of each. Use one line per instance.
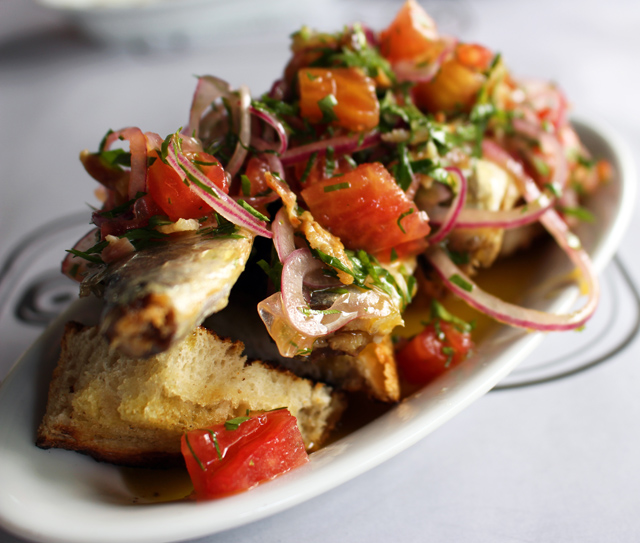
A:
(157, 295)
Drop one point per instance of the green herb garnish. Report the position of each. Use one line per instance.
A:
(457, 279)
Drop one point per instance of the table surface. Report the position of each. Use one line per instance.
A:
(550, 461)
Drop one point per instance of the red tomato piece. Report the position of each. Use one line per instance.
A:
(412, 35)
(456, 86)
(366, 209)
(174, 197)
(255, 172)
(355, 104)
(474, 56)
(308, 174)
(432, 352)
(259, 449)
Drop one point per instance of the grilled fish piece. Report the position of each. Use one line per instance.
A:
(159, 294)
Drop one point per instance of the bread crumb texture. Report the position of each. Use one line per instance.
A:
(133, 411)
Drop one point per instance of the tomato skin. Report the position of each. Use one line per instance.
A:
(422, 359)
(365, 215)
(357, 107)
(457, 83)
(174, 197)
(318, 170)
(263, 447)
(411, 36)
(255, 171)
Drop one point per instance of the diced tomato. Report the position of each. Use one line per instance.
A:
(258, 449)
(474, 56)
(255, 171)
(456, 85)
(366, 209)
(175, 198)
(432, 352)
(308, 174)
(411, 36)
(347, 94)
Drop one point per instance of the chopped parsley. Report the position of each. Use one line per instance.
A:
(579, 213)
(458, 280)
(244, 205)
(326, 106)
(337, 186)
(214, 438)
(234, 424)
(402, 216)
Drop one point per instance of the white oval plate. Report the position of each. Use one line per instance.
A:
(61, 496)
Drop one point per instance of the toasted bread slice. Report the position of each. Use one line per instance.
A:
(133, 411)
(372, 371)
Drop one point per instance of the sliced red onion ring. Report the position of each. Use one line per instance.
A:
(244, 136)
(275, 164)
(550, 144)
(514, 315)
(341, 145)
(481, 218)
(276, 124)
(509, 313)
(527, 186)
(208, 90)
(318, 280)
(422, 72)
(315, 324)
(283, 235)
(451, 217)
(154, 141)
(213, 196)
(138, 148)
(278, 89)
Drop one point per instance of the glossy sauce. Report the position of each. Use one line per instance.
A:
(156, 485)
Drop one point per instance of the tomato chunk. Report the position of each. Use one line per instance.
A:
(412, 35)
(230, 458)
(432, 352)
(174, 197)
(366, 209)
(343, 96)
(255, 172)
(317, 169)
(455, 87)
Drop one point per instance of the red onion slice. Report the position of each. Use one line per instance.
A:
(451, 217)
(568, 242)
(315, 324)
(283, 235)
(276, 124)
(208, 90)
(138, 148)
(244, 135)
(481, 218)
(549, 143)
(341, 145)
(212, 195)
(423, 72)
(154, 141)
(514, 315)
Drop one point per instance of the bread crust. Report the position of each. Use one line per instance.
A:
(133, 411)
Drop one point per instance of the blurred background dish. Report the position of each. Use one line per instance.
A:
(171, 23)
